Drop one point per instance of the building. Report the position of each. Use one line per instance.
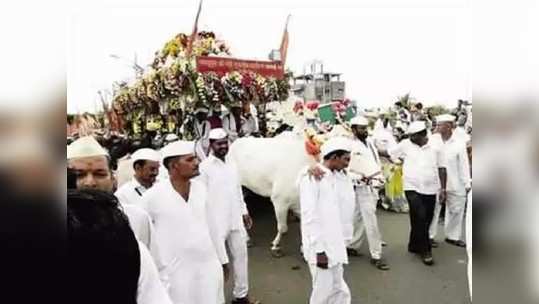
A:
(319, 85)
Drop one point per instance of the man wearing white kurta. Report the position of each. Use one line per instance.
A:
(458, 181)
(366, 172)
(91, 163)
(189, 243)
(326, 223)
(202, 131)
(227, 206)
(145, 164)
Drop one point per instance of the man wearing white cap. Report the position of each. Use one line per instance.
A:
(326, 222)
(189, 243)
(202, 131)
(91, 163)
(424, 175)
(366, 171)
(226, 204)
(145, 164)
(458, 181)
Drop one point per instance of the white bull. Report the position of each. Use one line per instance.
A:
(270, 167)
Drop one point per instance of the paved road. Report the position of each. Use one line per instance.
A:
(408, 282)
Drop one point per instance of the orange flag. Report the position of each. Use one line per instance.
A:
(194, 33)
(284, 42)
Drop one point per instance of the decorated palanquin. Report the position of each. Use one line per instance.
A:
(179, 80)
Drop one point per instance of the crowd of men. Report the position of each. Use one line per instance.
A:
(177, 229)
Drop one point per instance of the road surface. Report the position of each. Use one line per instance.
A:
(287, 281)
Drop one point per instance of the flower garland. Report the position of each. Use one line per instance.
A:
(172, 78)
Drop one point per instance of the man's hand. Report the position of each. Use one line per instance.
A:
(316, 172)
(322, 260)
(226, 272)
(366, 180)
(247, 221)
(443, 196)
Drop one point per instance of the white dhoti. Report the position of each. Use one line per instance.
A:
(197, 283)
(236, 243)
(454, 217)
(366, 223)
(329, 285)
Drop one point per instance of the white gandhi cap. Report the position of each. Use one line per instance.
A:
(85, 147)
(146, 154)
(335, 144)
(178, 148)
(218, 133)
(445, 118)
(416, 127)
(359, 121)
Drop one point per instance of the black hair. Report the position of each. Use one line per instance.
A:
(336, 154)
(166, 161)
(420, 133)
(103, 253)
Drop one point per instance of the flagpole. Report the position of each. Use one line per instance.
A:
(194, 33)
(284, 41)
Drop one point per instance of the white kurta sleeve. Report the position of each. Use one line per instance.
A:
(309, 196)
(150, 290)
(218, 241)
(396, 151)
(229, 126)
(122, 197)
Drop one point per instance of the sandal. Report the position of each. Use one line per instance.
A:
(427, 259)
(353, 252)
(380, 264)
(456, 243)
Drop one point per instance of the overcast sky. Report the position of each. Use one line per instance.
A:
(382, 49)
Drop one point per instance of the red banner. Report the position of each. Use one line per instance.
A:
(222, 66)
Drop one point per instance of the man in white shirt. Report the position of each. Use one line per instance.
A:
(227, 206)
(92, 166)
(202, 131)
(145, 164)
(383, 134)
(232, 122)
(189, 243)
(424, 176)
(458, 181)
(326, 224)
(366, 172)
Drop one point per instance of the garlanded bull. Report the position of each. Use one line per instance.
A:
(270, 166)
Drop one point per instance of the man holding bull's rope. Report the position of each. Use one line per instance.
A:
(366, 171)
